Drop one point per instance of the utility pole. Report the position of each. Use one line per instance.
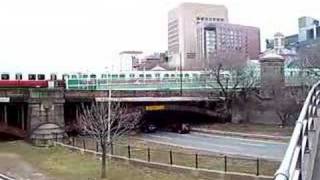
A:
(180, 74)
(109, 109)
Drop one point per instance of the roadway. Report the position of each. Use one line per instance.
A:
(221, 144)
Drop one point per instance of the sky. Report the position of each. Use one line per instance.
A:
(87, 35)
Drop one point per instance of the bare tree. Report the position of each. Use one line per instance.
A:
(309, 56)
(232, 75)
(94, 122)
(287, 106)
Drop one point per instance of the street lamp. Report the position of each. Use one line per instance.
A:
(180, 75)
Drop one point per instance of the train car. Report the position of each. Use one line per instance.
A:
(30, 80)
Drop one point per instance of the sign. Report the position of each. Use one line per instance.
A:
(4, 99)
(155, 108)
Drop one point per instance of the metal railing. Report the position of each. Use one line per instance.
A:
(299, 149)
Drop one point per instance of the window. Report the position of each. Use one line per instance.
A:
(157, 75)
(166, 75)
(53, 77)
(148, 76)
(141, 75)
(85, 76)
(173, 75)
(122, 76)
(131, 75)
(31, 77)
(186, 75)
(73, 76)
(18, 76)
(65, 76)
(103, 76)
(93, 76)
(41, 77)
(114, 76)
(5, 77)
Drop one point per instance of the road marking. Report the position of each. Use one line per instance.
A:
(251, 144)
(237, 138)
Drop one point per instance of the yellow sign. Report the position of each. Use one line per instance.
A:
(155, 108)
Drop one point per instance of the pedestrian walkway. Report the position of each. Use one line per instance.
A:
(316, 170)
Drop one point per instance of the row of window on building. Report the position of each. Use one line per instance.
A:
(199, 19)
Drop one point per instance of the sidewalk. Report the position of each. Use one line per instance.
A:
(243, 135)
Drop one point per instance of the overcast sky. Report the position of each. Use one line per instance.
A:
(70, 35)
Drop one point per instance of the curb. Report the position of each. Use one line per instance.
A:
(244, 135)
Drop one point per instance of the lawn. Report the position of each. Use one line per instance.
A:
(160, 153)
(62, 164)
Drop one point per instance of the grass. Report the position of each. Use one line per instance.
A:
(62, 164)
(184, 157)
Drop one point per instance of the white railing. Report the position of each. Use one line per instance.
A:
(299, 150)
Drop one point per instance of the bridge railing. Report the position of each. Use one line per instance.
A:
(301, 149)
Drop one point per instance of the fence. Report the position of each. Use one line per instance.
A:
(223, 163)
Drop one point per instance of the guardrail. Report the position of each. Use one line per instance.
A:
(4, 177)
(299, 150)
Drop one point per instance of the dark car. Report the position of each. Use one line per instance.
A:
(148, 128)
(181, 128)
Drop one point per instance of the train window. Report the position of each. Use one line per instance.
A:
(73, 76)
(41, 77)
(148, 76)
(157, 75)
(53, 77)
(173, 75)
(141, 75)
(93, 76)
(5, 77)
(122, 76)
(18, 76)
(131, 75)
(103, 76)
(65, 76)
(85, 76)
(31, 77)
(114, 75)
(186, 75)
(166, 75)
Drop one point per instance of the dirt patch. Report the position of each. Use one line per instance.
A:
(14, 166)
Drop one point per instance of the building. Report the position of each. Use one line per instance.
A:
(218, 38)
(309, 33)
(182, 31)
(309, 29)
(283, 46)
(127, 60)
(155, 61)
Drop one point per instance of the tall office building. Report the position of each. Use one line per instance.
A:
(182, 31)
(215, 39)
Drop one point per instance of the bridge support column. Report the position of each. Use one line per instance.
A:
(22, 118)
(46, 115)
(5, 114)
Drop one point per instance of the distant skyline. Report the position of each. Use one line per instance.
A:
(72, 35)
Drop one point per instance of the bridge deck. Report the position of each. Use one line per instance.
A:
(316, 170)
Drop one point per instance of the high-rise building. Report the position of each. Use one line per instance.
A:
(214, 39)
(309, 29)
(182, 31)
